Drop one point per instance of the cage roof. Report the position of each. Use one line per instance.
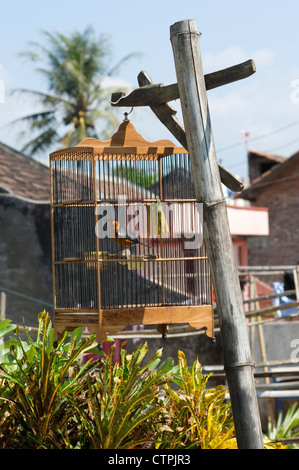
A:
(126, 140)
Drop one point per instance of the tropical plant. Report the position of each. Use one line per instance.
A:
(38, 386)
(124, 404)
(286, 427)
(50, 399)
(74, 68)
(197, 417)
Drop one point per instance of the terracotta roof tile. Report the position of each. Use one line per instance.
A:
(268, 156)
(23, 176)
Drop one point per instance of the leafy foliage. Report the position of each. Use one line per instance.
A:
(74, 68)
(50, 399)
(197, 417)
(286, 427)
(124, 401)
(36, 381)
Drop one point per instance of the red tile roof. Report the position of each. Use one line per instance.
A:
(268, 156)
(23, 176)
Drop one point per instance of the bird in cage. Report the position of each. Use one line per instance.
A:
(122, 237)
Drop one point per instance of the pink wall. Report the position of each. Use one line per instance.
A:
(246, 221)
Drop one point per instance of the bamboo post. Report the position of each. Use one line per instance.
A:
(2, 306)
(296, 281)
(252, 307)
(263, 350)
(2, 310)
(238, 363)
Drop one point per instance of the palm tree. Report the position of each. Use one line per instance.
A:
(76, 102)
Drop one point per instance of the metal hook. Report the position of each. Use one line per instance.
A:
(127, 114)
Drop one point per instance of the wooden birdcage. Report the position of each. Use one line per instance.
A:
(98, 282)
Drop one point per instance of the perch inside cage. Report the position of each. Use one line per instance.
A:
(127, 237)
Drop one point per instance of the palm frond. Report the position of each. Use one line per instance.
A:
(44, 98)
(125, 59)
(41, 142)
(73, 67)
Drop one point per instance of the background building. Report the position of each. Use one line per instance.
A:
(274, 185)
(25, 241)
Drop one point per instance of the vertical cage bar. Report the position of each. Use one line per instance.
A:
(100, 314)
(52, 234)
(161, 238)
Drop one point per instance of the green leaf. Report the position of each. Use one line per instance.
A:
(168, 366)
(6, 327)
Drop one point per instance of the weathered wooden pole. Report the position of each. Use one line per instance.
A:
(238, 363)
(2, 305)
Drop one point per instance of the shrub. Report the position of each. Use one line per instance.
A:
(198, 417)
(51, 399)
(124, 403)
(38, 387)
(286, 427)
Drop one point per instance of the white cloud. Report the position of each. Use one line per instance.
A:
(226, 104)
(248, 98)
(111, 82)
(234, 55)
(3, 76)
(294, 73)
(230, 56)
(263, 57)
(2, 86)
(2, 91)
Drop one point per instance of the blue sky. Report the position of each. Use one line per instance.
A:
(266, 104)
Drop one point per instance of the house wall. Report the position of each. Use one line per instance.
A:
(281, 247)
(25, 257)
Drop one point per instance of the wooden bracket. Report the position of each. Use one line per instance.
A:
(150, 93)
(157, 97)
(167, 115)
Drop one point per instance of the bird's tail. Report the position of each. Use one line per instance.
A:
(144, 244)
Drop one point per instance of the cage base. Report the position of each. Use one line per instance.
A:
(114, 320)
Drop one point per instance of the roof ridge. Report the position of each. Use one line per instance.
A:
(20, 154)
(270, 156)
(23, 176)
(260, 180)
